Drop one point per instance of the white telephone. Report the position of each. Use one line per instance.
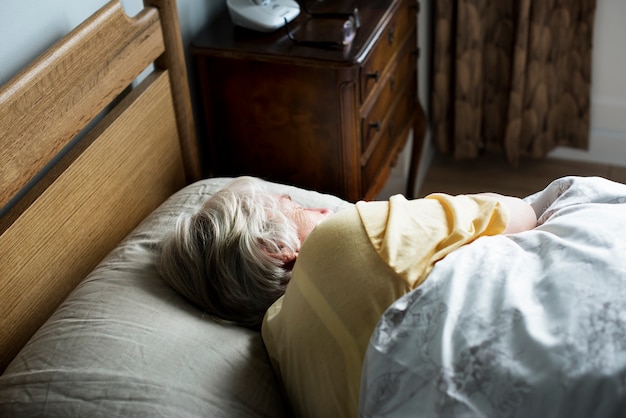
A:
(262, 15)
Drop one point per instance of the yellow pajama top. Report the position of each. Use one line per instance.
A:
(350, 269)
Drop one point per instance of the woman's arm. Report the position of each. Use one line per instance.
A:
(522, 215)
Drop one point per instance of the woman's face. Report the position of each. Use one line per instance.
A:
(306, 219)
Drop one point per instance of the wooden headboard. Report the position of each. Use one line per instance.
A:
(85, 156)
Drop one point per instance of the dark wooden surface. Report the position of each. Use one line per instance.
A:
(492, 173)
(326, 119)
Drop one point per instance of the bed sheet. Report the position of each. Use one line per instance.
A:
(521, 325)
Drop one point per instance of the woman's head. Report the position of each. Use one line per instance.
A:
(233, 256)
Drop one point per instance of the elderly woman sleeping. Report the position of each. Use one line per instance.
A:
(317, 282)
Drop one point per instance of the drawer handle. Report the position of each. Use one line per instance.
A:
(375, 125)
(374, 75)
(391, 34)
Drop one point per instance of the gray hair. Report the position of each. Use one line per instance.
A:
(220, 259)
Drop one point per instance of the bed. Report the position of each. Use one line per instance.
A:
(97, 156)
(95, 165)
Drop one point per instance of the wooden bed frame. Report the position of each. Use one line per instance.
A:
(71, 189)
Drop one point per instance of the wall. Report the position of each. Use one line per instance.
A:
(28, 27)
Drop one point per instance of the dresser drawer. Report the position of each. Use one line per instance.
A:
(401, 24)
(308, 110)
(395, 81)
(386, 146)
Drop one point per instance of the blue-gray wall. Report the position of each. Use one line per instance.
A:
(28, 27)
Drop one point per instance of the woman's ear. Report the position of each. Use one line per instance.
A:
(285, 255)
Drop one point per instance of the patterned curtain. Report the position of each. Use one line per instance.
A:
(511, 76)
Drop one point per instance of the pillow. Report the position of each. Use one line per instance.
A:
(125, 344)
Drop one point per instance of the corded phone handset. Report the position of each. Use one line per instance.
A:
(262, 15)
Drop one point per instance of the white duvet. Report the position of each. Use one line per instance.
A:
(525, 325)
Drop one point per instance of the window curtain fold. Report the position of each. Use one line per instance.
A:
(511, 76)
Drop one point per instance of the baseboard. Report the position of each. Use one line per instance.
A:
(605, 147)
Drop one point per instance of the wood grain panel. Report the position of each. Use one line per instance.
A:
(60, 93)
(132, 163)
(174, 61)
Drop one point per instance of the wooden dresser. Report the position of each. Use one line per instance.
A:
(328, 119)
